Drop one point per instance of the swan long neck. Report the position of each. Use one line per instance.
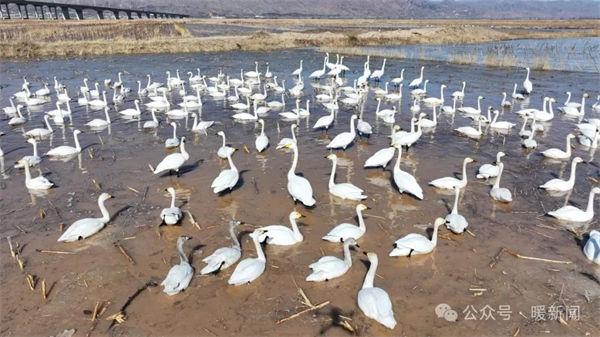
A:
(347, 256)
(368, 283)
(456, 197)
(182, 256)
(259, 251)
(332, 176)
(103, 210)
(77, 146)
(235, 243)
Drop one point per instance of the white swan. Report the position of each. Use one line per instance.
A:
(344, 231)
(38, 183)
(85, 228)
(224, 150)
(174, 161)
(224, 257)
(282, 235)
(343, 190)
(65, 150)
(40, 132)
(227, 179)
(570, 213)
(99, 123)
(375, 302)
(298, 187)
(560, 185)
(171, 215)
(451, 182)
(498, 193)
(417, 244)
(172, 142)
(558, 153)
(262, 141)
(180, 276)
(454, 221)
(330, 267)
(417, 81)
(405, 181)
(487, 171)
(591, 250)
(345, 138)
(153, 124)
(33, 159)
(250, 269)
(527, 85)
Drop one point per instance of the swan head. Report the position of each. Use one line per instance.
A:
(362, 207)
(440, 221)
(235, 223)
(296, 215)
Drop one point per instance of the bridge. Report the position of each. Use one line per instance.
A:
(55, 11)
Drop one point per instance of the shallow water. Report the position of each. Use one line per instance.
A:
(417, 285)
(570, 54)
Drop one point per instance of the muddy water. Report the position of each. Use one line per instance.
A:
(98, 271)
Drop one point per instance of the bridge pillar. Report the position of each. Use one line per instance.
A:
(65, 12)
(79, 13)
(100, 14)
(116, 13)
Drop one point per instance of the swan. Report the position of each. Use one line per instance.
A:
(33, 159)
(179, 276)
(573, 111)
(558, 153)
(224, 150)
(325, 121)
(455, 222)
(38, 183)
(85, 228)
(434, 100)
(18, 120)
(417, 244)
(398, 80)
(174, 161)
(99, 103)
(420, 92)
(517, 96)
(487, 171)
(277, 104)
(298, 187)
(281, 235)
(319, 73)
(460, 95)
(471, 110)
(227, 179)
(449, 109)
(172, 142)
(12, 109)
(99, 123)
(405, 181)
(499, 193)
(527, 85)
(570, 213)
(503, 125)
(560, 185)
(375, 302)
(262, 141)
(504, 103)
(330, 267)
(470, 131)
(65, 150)
(429, 123)
(343, 190)
(40, 132)
(250, 269)
(377, 74)
(591, 250)
(298, 72)
(451, 182)
(381, 157)
(201, 125)
(345, 231)
(224, 257)
(153, 124)
(590, 142)
(345, 138)
(417, 81)
(171, 215)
